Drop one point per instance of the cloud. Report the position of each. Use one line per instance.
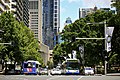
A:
(70, 1)
(62, 0)
(98, 3)
(62, 9)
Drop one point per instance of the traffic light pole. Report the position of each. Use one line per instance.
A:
(105, 66)
(105, 48)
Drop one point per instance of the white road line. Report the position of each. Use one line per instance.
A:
(53, 78)
(80, 78)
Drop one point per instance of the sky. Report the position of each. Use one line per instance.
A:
(70, 8)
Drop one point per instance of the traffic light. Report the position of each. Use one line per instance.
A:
(73, 39)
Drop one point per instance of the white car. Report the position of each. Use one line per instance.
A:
(43, 71)
(56, 71)
(89, 71)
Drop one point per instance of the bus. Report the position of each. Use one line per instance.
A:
(31, 67)
(71, 66)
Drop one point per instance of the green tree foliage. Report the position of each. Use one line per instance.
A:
(116, 4)
(93, 48)
(23, 46)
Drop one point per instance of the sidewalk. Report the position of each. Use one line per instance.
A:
(1, 73)
(113, 74)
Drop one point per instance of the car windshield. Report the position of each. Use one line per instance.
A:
(72, 66)
(44, 69)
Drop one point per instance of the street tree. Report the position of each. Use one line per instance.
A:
(23, 45)
(93, 48)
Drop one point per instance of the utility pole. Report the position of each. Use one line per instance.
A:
(105, 47)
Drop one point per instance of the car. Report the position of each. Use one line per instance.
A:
(56, 71)
(13, 72)
(44, 71)
(88, 71)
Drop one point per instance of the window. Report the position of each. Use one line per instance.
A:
(55, 24)
(55, 7)
(12, 0)
(55, 19)
(33, 5)
(55, 15)
(55, 3)
(55, 11)
(13, 6)
(33, 12)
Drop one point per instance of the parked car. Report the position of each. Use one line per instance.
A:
(89, 71)
(43, 71)
(55, 71)
(13, 72)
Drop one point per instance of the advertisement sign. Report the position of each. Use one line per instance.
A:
(109, 32)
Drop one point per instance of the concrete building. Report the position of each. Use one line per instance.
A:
(35, 18)
(85, 11)
(18, 7)
(35, 24)
(26, 12)
(51, 22)
(107, 10)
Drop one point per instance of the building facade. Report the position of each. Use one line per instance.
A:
(26, 12)
(35, 24)
(85, 11)
(18, 7)
(51, 22)
(68, 21)
(35, 18)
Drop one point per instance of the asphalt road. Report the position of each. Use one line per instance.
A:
(57, 77)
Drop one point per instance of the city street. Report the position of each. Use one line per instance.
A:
(57, 77)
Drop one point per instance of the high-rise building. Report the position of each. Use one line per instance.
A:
(35, 18)
(85, 11)
(51, 22)
(35, 24)
(26, 12)
(5, 5)
(18, 7)
(68, 21)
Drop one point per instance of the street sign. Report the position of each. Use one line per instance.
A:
(108, 37)
(74, 54)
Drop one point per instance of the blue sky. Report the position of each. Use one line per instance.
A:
(70, 8)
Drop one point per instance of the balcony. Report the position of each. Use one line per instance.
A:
(13, 9)
(2, 8)
(7, 1)
(13, 3)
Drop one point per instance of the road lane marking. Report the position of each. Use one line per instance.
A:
(54, 78)
(80, 78)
